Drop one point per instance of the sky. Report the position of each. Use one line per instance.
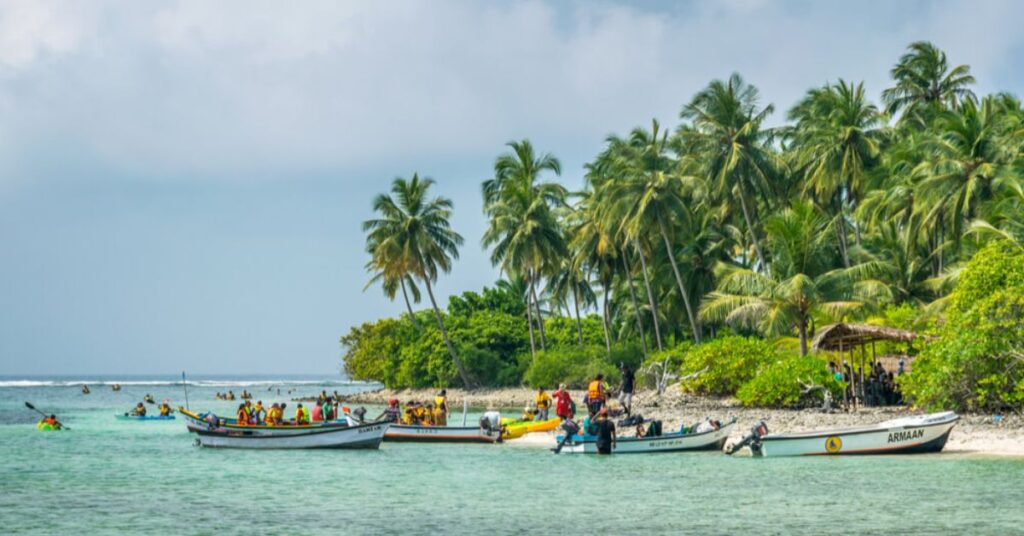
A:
(182, 182)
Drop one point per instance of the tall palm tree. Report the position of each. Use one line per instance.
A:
(925, 83)
(413, 237)
(801, 285)
(594, 251)
(837, 138)
(727, 136)
(391, 282)
(523, 228)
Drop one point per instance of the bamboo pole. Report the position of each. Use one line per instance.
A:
(842, 372)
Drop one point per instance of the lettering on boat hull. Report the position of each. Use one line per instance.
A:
(906, 435)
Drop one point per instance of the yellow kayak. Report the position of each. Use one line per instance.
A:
(516, 429)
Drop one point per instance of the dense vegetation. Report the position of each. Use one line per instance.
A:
(849, 211)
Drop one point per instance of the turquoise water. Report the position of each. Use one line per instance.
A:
(108, 476)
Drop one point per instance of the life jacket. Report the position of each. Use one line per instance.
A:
(543, 401)
(165, 410)
(440, 419)
(441, 402)
(594, 391)
(305, 415)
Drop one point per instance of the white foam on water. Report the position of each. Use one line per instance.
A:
(195, 383)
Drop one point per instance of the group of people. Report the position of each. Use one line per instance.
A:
(878, 389)
(230, 395)
(432, 413)
(140, 409)
(326, 408)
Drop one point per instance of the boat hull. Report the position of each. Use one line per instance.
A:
(144, 418)
(367, 436)
(440, 434)
(912, 435)
(196, 423)
(713, 440)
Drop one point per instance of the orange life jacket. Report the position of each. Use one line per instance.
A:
(594, 391)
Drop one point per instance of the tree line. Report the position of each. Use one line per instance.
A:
(724, 223)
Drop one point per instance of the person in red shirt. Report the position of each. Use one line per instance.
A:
(563, 403)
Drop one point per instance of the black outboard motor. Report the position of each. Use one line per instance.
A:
(570, 428)
(360, 414)
(753, 439)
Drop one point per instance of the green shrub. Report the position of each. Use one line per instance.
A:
(975, 364)
(777, 384)
(722, 365)
(574, 366)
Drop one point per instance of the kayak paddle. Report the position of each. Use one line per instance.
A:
(33, 408)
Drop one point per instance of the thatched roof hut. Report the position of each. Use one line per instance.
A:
(843, 337)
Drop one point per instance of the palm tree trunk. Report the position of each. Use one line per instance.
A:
(802, 327)
(540, 319)
(447, 341)
(412, 316)
(650, 295)
(604, 322)
(841, 235)
(636, 305)
(694, 325)
(576, 305)
(750, 229)
(529, 323)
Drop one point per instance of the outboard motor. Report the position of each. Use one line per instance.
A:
(753, 439)
(360, 414)
(570, 428)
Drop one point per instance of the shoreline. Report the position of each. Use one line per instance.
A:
(974, 435)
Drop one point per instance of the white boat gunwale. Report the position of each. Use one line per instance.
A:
(814, 434)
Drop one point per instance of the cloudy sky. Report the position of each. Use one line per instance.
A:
(182, 182)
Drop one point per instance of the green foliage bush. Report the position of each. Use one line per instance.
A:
(777, 384)
(977, 363)
(573, 366)
(724, 364)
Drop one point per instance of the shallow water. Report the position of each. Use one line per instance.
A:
(109, 476)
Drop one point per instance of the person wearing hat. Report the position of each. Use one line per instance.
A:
(604, 429)
(563, 403)
(391, 413)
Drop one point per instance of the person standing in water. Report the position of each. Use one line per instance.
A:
(604, 429)
(543, 402)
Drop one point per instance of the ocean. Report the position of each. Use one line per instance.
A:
(106, 476)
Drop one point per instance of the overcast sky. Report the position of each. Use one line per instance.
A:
(182, 182)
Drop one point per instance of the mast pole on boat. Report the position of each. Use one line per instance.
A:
(184, 385)
(465, 408)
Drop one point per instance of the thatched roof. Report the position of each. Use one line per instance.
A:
(834, 337)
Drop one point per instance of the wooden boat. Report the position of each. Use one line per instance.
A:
(441, 434)
(366, 436)
(906, 435)
(127, 417)
(196, 422)
(673, 442)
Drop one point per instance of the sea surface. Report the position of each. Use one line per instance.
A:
(106, 476)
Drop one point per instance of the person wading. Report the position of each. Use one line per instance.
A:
(604, 429)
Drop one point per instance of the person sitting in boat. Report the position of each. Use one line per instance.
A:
(707, 425)
(391, 413)
(330, 410)
(139, 411)
(148, 399)
(115, 387)
(543, 402)
(563, 403)
(528, 414)
(318, 411)
(322, 398)
(301, 416)
(272, 418)
(640, 430)
(441, 408)
(427, 418)
(85, 389)
(165, 410)
(49, 423)
(242, 416)
(258, 413)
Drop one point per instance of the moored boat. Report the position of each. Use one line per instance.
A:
(673, 442)
(206, 421)
(441, 434)
(367, 436)
(906, 435)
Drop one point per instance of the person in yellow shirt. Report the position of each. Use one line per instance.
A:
(428, 415)
(165, 410)
(543, 401)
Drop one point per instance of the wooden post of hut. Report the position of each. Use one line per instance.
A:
(842, 373)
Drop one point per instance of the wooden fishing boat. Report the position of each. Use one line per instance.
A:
(441, 434)
(673, 442)
(206, 421)
(906, 435)
(365, 436)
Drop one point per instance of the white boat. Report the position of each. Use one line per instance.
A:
(906, 435)
(367, 436)
(441, 434)
(675, 442)
(207, 421)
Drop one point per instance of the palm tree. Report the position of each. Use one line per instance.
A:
(594, 251)
(925, 83)
(523, 227)
(391, 282)
(837, 139)
(727, 136)
(570, 282)
(413, 237)
(649, 196)
(801, 285)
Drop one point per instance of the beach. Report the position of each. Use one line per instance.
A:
(976, 435)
